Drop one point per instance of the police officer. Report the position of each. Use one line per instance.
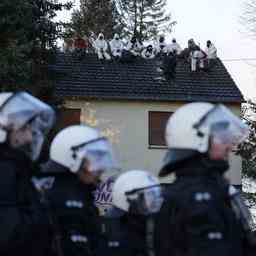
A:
(79, 155)
(129, 225)
(198, 216)
(24, 122)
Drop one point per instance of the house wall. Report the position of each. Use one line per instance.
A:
(127, 123)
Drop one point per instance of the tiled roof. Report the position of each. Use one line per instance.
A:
(93, 79)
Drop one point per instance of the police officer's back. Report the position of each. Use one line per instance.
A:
(198, 216)
(25, 227)
(129, 225)
(78, 157)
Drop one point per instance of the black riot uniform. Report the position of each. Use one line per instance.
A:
(74, 213)
(197, 217)
(127, 235)
(25, 228)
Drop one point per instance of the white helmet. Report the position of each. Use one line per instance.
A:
(180, 132)
(189, 129)
(138, 188)
(3, 98)
(74, 144)
(21, 108)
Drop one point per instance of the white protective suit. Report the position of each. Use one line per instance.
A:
(147, 53)
(211, 52)
(197, 56)
(116, 46)
(101, 47)
(161, 46)
(174, 47)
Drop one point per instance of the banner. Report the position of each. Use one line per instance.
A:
(103, 195)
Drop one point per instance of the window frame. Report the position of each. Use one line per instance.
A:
(153, 146)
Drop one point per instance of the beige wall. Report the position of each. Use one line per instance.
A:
(129, 120)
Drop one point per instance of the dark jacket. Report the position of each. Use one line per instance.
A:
(23, 220)
(76, 216)
(128, 235)
(197, 218)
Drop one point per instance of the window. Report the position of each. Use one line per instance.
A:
(66, 117)
(157, 124)
(69, 116)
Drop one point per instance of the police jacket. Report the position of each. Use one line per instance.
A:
(76, 216)
(24, 225)
(197, 217)
(127, 235)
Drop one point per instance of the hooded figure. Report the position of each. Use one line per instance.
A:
(174, 47)
(148, 52)
(197, 56)
(134, 46)
(161, 46)
(210, 50)
(101, 47)
(211, 53)
(116, 46)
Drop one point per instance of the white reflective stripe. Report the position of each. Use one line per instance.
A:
(74, 204)
(79, 239)
(113, 244)
(215, 236)
(202, 196)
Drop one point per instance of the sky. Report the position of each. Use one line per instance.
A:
(217, 21)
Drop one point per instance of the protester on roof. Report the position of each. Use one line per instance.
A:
(196, 55)
(134, 46)
(68, 45)
(91, 39)
(101, 47)
(161, 46)
(174, 46)
(148, 52)
(211, 53)
(80, 45)
(169, 65)
(116, 46)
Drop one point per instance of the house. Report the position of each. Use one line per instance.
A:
(130, 98)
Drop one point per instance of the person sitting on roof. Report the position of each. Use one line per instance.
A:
(174, 46)
(211, 53)
(161, 47)
(169, 65)
(148, 52)
(101, 47)
(80, 45)
(134, 46)
(116, 46)
(197, 56)
(68, 45)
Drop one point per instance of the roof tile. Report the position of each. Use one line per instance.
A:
(91, 78)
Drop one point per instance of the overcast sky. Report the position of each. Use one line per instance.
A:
(218, 21)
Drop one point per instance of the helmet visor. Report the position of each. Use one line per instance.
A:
(21, 108)
(99, 155)
(223, 126)
(146, 201)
